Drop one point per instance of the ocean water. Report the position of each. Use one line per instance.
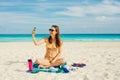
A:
(65, 37)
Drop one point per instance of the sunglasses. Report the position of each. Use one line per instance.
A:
(51, 30)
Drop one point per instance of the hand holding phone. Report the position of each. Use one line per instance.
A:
(34, 31)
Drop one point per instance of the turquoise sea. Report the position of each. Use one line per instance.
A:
(65, 37)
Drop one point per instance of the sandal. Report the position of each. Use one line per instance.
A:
(78, 64)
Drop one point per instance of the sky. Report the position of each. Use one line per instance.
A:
(72, 16)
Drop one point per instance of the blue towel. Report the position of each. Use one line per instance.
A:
(56, 69)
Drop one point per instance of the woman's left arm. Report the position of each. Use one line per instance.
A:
(59, 53)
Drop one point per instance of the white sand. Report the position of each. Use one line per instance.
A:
(102, 60)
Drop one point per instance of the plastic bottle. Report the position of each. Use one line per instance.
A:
(30, 64)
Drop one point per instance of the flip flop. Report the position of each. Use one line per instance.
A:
(78, 64)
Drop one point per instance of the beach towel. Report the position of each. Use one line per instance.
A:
(56, 69)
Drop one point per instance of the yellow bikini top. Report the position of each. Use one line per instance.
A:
(51, 46)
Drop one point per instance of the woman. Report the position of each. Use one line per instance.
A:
(53, 48)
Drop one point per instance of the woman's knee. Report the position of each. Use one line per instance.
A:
(62, 60)
(42, 62)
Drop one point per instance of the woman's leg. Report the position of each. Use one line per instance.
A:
(58, 62)
(43, 62)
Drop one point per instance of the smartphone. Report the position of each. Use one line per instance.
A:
(34, 29)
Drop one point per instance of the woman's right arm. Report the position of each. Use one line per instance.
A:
(37, 43)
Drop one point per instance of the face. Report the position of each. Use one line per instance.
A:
(52, 31)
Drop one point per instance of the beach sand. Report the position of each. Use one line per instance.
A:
(102, 61)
